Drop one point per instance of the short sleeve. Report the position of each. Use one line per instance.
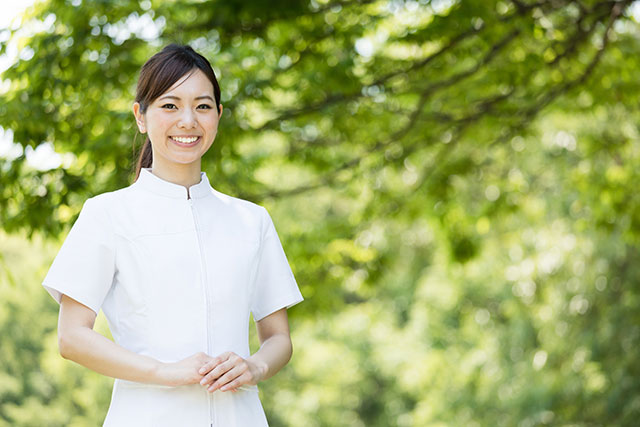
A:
(84, 267)
(274, 286)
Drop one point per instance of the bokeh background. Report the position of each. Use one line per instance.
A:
(455, 184)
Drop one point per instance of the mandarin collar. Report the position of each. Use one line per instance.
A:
(148, 181)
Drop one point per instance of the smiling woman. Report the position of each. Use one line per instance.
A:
(191, 122)
(180, 132)
(178, 268)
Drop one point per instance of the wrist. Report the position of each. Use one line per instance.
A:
(156, 369)
(261, 367)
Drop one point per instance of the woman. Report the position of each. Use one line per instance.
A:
(177, 267)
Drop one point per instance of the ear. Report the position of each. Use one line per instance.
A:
(220, 115)
(139, 117)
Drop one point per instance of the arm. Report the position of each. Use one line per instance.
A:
(229, 371)
(275, 344)
(78, 342)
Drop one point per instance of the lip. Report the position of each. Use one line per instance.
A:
(182, 144)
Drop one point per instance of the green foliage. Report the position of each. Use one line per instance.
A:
(37, 386)
(453, 183)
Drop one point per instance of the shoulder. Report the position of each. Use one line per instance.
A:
(104, 206)
(246, 212)
(106, 201)
(239, 204)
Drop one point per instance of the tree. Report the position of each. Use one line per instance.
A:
(416, 150)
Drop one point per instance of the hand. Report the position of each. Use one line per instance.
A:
(229, 371)
(183, 372)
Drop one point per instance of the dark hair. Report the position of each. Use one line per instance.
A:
(158, 74)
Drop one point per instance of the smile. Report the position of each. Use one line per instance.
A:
(185, 142)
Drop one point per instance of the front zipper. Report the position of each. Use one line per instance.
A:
(203, 267)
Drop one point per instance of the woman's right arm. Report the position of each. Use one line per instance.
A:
(77, 341)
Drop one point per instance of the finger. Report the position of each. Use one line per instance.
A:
(233, 385)
(216, 372)
(224, 379)
(229, 357)
(210, 365)
(225, 355)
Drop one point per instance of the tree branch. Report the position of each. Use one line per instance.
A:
(338, 97)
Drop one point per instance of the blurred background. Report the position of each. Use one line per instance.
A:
(454, 184)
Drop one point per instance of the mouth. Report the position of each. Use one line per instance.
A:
(185, 142)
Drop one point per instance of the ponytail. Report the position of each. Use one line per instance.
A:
(145, 158)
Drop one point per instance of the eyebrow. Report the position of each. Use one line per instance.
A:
(197, 97)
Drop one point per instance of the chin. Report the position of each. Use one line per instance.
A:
(186, 162)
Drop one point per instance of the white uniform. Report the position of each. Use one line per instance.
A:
(176, 275)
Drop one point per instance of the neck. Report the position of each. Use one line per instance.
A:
(182, 174)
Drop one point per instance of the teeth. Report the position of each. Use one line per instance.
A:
(184, 140)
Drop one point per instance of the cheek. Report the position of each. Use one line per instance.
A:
(211, 119)
(152, 125)
(212, 124)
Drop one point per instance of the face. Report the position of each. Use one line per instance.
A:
(183, 113)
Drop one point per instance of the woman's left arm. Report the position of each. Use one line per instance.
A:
(229, 371)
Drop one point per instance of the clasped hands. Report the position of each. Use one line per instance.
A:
(227, 372)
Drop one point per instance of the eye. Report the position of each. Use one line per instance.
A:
(207, 107)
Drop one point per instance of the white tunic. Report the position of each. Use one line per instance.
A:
(174, 276)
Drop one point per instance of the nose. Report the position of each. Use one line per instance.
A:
(187, 119)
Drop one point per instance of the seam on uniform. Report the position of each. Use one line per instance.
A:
(139, 236)
(113, 240)
(259, 258)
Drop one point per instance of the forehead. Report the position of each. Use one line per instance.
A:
(192, 84)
